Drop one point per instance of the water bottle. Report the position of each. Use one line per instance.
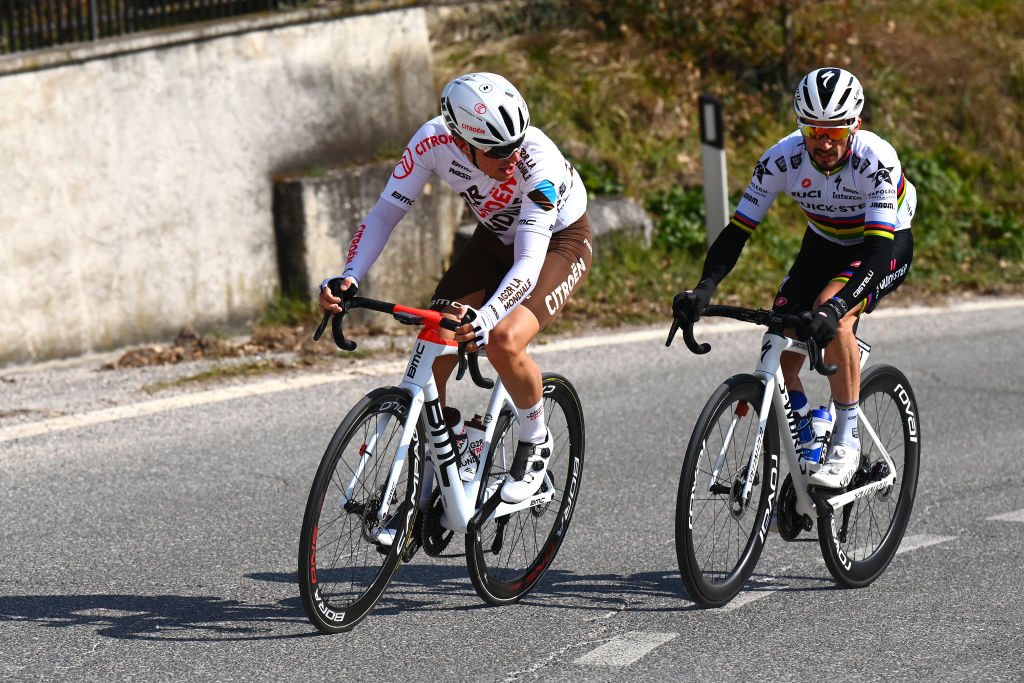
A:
(474, 430)
(821, 426)
(798, 401)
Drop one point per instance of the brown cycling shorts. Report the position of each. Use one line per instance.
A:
(484, 261)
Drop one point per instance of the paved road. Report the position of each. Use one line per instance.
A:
(154, 536)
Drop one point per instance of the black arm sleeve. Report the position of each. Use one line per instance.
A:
(723, 254)
(874, 265)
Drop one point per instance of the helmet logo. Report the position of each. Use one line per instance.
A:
(480, 108)
(485, 87)
(825, 75)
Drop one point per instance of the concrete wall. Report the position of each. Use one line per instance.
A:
(136, 175)
(315, 219)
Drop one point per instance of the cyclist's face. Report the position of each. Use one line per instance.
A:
(826, 152)
(499, 169)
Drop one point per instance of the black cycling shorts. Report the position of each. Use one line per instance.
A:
(484, 261)
(821, 262)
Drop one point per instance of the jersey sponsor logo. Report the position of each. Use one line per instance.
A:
(353, 246)
(849, 197)
(805, 183)
(461, 174)
(404, 166)
(750, 198)
(781, 301)
(544, 195)
(499, 198)
(458, 165)
(473, 129)
(794, 161)
(780, 162)
(761, 169)
(401, 197)
(882, 205)
(560, 294)
(809, 194)
(831, 208)
(430, 142)
(882, 174)
(515, 291)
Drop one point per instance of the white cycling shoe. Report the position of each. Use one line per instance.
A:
(838, 468)
(527, 471)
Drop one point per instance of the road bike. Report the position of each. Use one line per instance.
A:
(362, 519)
(729, 497)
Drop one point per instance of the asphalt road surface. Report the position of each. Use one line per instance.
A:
(152, 535)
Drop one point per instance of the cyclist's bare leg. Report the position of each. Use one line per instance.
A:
(506, 351)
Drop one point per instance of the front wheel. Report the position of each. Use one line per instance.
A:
(859, 541)
(719, 532)
(508, 555)
(352, 539)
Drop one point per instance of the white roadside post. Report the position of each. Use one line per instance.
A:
(712, 138)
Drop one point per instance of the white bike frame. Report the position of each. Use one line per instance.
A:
(769, 371)
(458, 497)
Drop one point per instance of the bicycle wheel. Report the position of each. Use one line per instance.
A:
(719, 536)
(344, 566)
(859, 542)
(508, 555)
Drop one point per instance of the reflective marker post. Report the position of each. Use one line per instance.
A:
(712, 138)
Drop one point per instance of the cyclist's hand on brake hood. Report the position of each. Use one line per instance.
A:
(478, 323)
(820, 324)
(690, 304)
(330, 303)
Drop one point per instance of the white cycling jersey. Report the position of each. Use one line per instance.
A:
(543, 196)
(867, 195)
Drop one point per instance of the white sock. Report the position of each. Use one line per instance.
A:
(531, 423)
(844, 431)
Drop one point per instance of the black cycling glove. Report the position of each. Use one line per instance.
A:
(820, 324)
(690, 304)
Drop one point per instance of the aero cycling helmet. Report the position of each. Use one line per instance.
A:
(486, 110)
(829, 94)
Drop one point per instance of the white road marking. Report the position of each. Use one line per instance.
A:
(1015, 516)
(917, 541)
(748, 596)
(49, 426)
(625, 649)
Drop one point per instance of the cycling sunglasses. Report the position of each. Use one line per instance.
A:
(505, 151)
(835, 133)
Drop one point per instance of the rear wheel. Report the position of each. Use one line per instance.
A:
(348, 550)
(719, 533)
(859, 541)
(508, 555)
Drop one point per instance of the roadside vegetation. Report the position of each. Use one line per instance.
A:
(615, 84)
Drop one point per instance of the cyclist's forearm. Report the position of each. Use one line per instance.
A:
(723, 254)
(369, 240)
(530, 249)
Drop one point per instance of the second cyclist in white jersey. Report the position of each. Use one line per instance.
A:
(856, 249)
(529, 254)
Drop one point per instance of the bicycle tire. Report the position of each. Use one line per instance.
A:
(719, 539)
(874, 525)
(507, 556)
(343, 571)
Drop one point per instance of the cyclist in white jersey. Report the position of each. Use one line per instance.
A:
(857, 246)
(530, 252)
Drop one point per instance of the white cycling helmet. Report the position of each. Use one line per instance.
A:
(487, 111)
(829, 94)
